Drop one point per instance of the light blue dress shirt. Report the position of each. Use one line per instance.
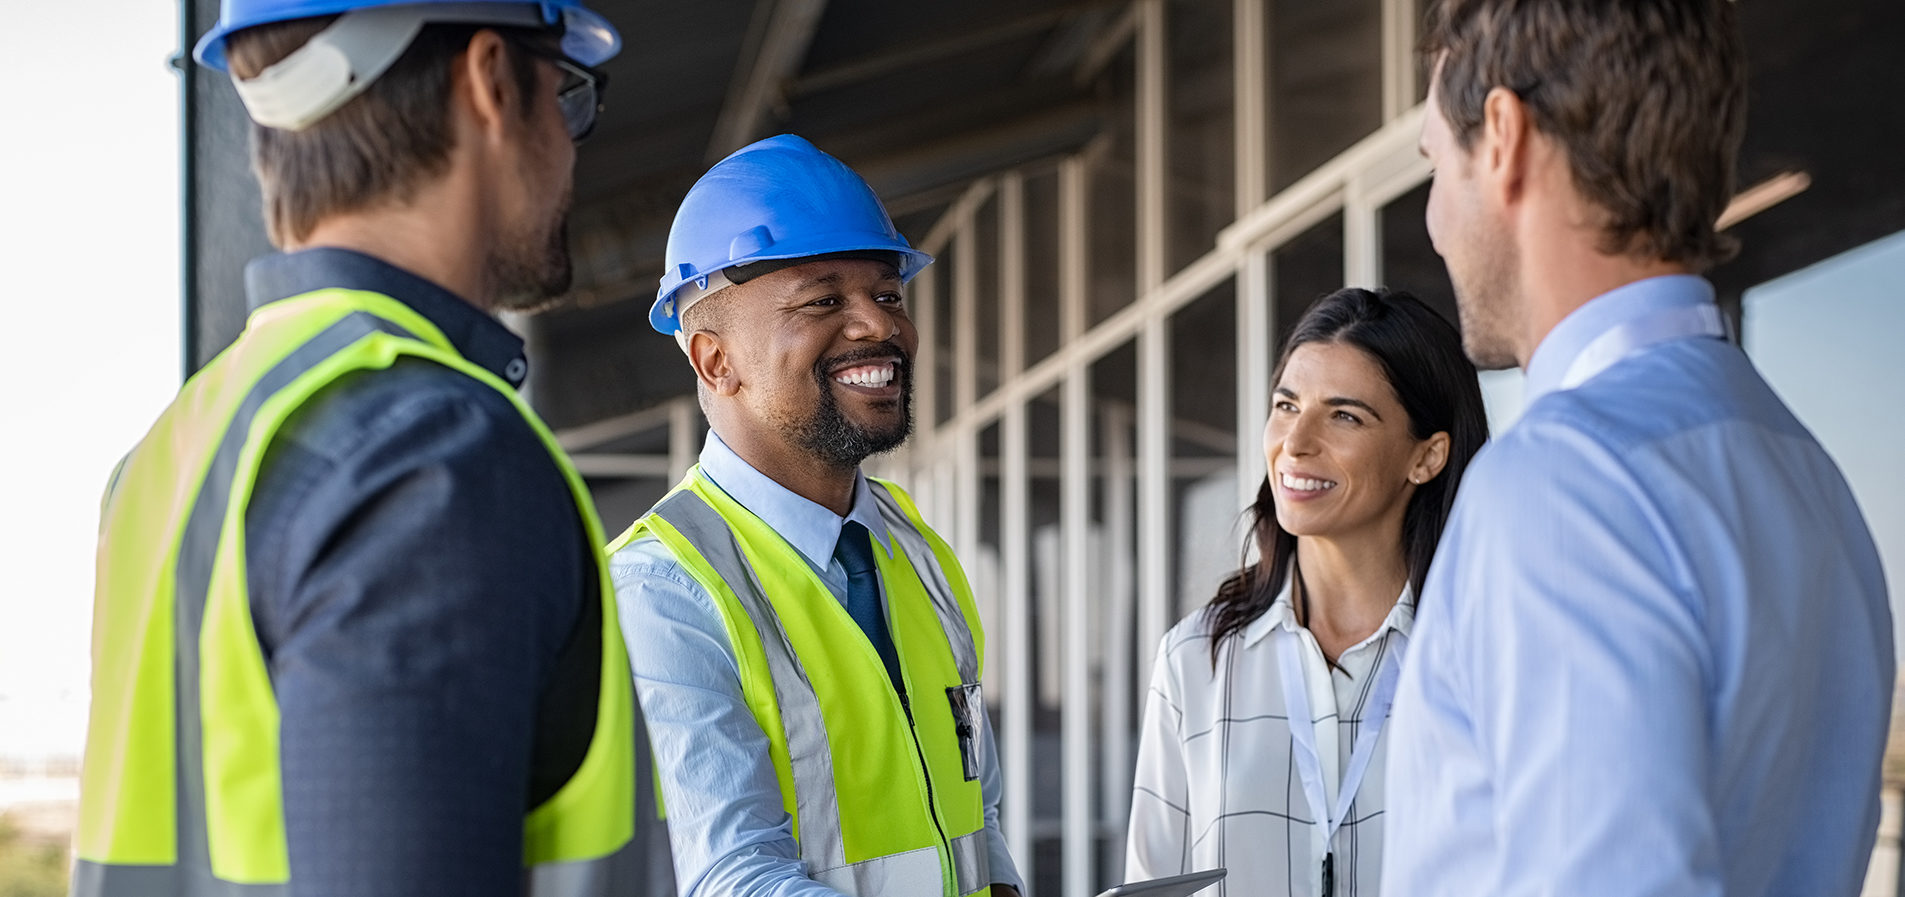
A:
(1654, 654)
(726, 824)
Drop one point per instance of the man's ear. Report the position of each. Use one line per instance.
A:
(714, 368)
(483, 80)
(1502, 153)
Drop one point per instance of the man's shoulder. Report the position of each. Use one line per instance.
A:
(410, 397)
(417, 423)
(1662, 404)
(1669, 390)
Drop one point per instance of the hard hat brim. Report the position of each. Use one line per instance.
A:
(663, 316)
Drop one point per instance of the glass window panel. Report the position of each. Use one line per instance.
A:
(985, 570)
(941, 274)
(1302, 271)
(1325, 72)
(1041, 265)
(1200, 130)
(1111, 212)
(1826, 337)
(1203, 421)
(1042, 432)
(1409, 260)
(985, 249)
(1113, 585)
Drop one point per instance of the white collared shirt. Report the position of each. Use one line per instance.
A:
(1216, 783)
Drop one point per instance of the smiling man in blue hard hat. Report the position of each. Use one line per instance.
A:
(352, 634)
(806, 648)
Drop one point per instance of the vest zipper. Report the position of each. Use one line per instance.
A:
(932, 802)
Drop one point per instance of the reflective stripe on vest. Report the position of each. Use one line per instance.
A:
(945, 604)
(123, 848)
(816, 803)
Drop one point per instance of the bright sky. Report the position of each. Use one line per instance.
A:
(89, 241)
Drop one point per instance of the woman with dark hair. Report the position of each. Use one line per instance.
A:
(1262, 749)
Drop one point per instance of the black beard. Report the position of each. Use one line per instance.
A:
(831, 438)
(541, 275)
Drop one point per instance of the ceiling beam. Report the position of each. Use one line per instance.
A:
(778, 38)
(618, 256)
(878, 65)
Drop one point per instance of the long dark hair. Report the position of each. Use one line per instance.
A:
(1421, 356)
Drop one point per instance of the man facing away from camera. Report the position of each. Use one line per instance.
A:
(1655, 652)
(352, 633)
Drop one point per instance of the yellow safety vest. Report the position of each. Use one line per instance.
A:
(884, 796)
(180, 792)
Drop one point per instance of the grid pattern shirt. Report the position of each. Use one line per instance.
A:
(1217, 785)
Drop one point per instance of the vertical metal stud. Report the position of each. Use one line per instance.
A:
(1253, 372)
(1119, 599)
(965, 438)
(1249, 109)
(1398, 57)
(1074, 493)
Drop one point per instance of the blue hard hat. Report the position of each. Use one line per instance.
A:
(586, 36)
(779, 198)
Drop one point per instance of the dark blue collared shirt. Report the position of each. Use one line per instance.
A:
(426, 596)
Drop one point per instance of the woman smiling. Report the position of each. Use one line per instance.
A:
(1262, 746)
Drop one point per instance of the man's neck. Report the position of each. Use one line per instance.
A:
(793, 469)
(439, 245)
(1350, 585)
(1564, 270)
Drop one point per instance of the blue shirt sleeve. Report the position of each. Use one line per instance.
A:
(416, 569)
(727, 826)
(1584, 672)
(991, 789)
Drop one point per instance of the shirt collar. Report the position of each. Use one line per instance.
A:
(1614, 308)
(812, 530)
(1282, 615)
(475, 335)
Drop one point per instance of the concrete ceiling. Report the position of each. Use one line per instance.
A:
(919, 98)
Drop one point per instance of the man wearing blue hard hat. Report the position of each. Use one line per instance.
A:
(806, 648)
(352, 633)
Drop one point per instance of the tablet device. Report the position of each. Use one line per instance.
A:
(1175, 886)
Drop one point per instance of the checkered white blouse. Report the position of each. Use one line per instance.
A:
(1216, 785)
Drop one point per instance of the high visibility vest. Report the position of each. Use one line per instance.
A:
(180, 792)
(884, 795)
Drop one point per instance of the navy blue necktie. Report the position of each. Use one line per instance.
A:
(854, 551)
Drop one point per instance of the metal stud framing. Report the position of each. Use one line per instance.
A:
(1125, 600)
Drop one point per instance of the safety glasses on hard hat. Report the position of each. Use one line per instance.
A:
(580, 93)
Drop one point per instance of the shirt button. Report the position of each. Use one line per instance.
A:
(516, 370)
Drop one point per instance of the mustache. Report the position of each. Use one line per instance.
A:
(884, 349)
